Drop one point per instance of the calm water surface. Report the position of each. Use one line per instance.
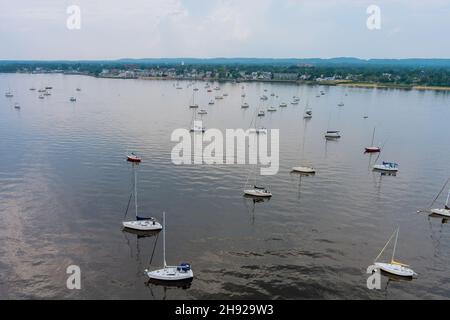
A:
(64, 187)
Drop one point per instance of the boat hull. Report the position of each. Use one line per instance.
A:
(133, 159)
(170, 274)
(142, 225)
(304, 169)
(258, 193)
(380, 167)
(395, 269)
(441, 212)
(372, 150)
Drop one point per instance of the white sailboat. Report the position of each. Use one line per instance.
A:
(283, 105)
(141, 223)
(8, 94)
(183, 272)
(386, 166)
(271, 109)
(16, 106)
(446, 210)
(305, 169)
(394, 267)
(255, 190)
(245, 105)
(193, 104)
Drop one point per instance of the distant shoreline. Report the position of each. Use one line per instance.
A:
(343, 83)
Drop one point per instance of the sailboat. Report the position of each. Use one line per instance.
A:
(394, 267)
(8, 94)
(255, 190)
(332, 134)
(141, 223)
(132, 157)
(182, 272)
(302, 168)
(386, 166)
(271, 109)
(244, 105)
(16, 106)
(283, 105)
(372, 149)
(193, 104)
(308, 112)
(443, 212)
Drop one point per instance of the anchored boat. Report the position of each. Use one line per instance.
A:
(182, 272)
(141, 223)
(394, 267)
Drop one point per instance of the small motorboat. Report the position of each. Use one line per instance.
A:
(341, 104)
(271, 109)
(283, 105)
(72, 99)
(294, 102)
(258, 192)
(245, 105)
(333, 134)
(193, 106)
(182, 272)
(133, 158)
(16, 106)
(211, 102)
(202, 111)
(9, 94)
(261, 113)
(386, 166)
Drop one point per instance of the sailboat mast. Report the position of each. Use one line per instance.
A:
(135, 194)
(395, 245)
(448, 198)
(373, 137)
(164, 239)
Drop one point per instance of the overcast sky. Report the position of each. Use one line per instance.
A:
(111, 29)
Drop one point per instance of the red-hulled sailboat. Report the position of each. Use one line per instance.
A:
(372, 149)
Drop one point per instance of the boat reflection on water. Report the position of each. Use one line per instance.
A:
(438, 216)
(301, 175)
(182, 284)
